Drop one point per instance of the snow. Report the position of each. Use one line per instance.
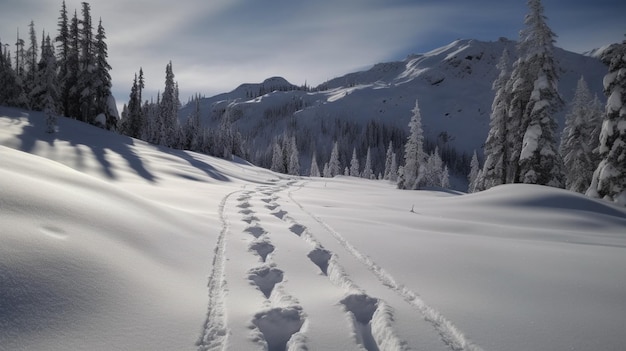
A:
(614, 102)
(109, 243)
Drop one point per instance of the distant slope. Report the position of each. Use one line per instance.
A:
(452, 83)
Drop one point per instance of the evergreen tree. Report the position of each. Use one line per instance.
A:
(445, 178)
(334, 165)
(609, 178)
(278, 159)
(473, 176)
(70, 81)
(315, 171)
(433, 169)
(63, 52)
(388, 160)
(103, 99)
(393, 169)
(367, 171)
(326, 171)
(85, 82)
(293, 166)
(168, 111)
(580, 138)
(497, 156)
(539, 160)
(31, 65)
(133, 123)
(354, 170)
(414, 155)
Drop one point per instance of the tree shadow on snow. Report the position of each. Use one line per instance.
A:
(196, 163)
(76, 134)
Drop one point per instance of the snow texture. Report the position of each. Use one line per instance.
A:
(109, 243)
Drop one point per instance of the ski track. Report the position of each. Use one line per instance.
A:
(215, 333)
(281, 323)
(449, 333)
(372, 321)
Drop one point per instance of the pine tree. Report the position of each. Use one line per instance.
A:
(539, 160)
(609, 178)
(293, 167)
(497, 156)
(334, 165)
(580, 138)
(354, 170)
(367, 171)
(388, 160)
(70, 81)
(31, 65)
(445, 178)
(393, 169)
(63, 52)
(473, 176)
(326, 171)
(315, 171)
(103, 99)
(85, 82)
(168, 111)
(433, 169)
(278, 159)
(414, 156)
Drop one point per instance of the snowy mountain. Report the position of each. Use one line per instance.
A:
(111, 243)
(370, 108)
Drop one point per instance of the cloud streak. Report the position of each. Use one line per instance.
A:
(217, 45)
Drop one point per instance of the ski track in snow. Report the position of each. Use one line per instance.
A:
(282, 322)
(215, 332)
(449, 333)
(372, 318)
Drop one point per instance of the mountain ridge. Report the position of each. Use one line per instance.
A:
(452, 84)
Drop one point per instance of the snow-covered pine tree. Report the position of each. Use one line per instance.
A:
(85, 83)
(315, 171)
(473, 176)
(367, 170)
(539, 160)
(48, 85)
(168, 110)
(393, 169)
(31, 65)
(445, 177)
(133, 123)
(388, 160)
(278, 160)
(63, 52)
(580, 139)
(496, 151)
(293, 166)
(69, 82)
(326, 171)
(102, 80)
(11, 92)
(414, 156)
(433, 169)
(334, 165)
(609, 178)
(354, 170)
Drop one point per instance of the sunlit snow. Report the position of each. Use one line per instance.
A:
(109, 243)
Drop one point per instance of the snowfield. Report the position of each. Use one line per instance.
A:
(109, 243)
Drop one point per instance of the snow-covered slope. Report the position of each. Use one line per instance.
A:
(109, 243)
(452, 83)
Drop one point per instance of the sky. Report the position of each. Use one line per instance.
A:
(217, 45)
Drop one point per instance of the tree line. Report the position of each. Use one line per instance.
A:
(64, 75)
(522, 145)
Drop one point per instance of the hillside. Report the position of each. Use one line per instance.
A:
(110, 243)
(370, 108)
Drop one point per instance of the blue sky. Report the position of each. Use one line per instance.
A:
(217, 45)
